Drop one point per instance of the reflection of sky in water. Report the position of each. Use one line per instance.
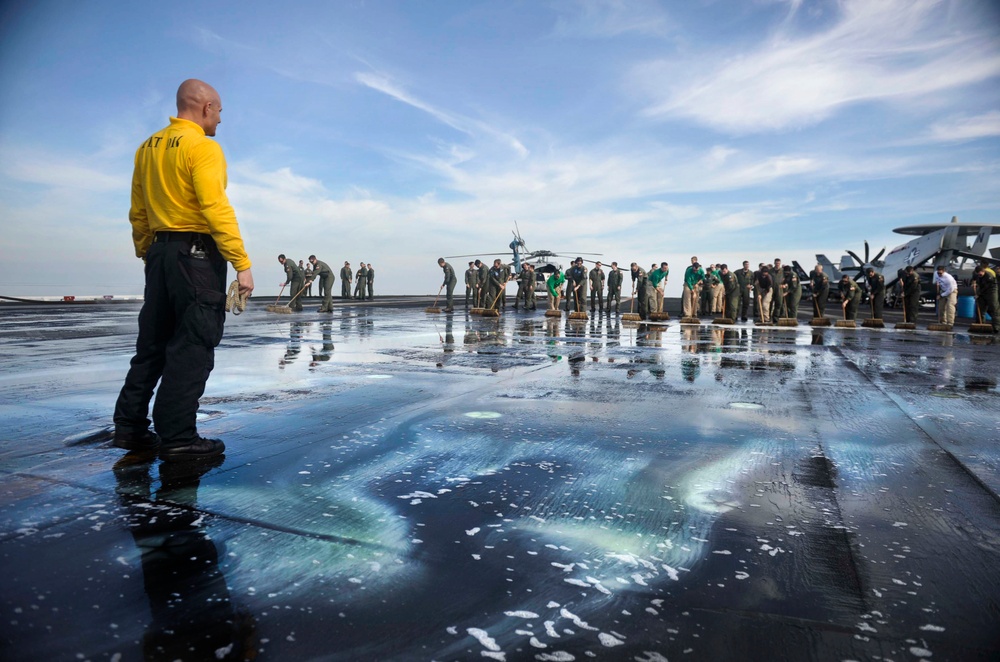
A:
(483, 414)
(583, 523)
(745, 405)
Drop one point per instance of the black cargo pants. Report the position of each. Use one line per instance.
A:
(180, 325)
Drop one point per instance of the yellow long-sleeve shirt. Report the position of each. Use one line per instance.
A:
(179, 185)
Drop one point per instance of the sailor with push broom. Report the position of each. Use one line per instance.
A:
(294, 279)
(450, 281)
(876, 291)
(792, 296)
(693, 276)
(498, 282)
(850, 294)
(763, 286)
(985, 287)
(947, 297)
(731, 302)
(820, 292)
(911, 298)
(554, 285)
(640, 281)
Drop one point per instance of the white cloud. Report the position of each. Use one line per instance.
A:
(61, 171)
(875, 51)
(611, 18)
(280, 197)
(468, 126)
(963, 128)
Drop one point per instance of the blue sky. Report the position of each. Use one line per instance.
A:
(396, 132)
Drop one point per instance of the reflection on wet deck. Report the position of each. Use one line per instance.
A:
(407, 486)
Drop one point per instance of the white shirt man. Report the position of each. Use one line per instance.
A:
(947, 295)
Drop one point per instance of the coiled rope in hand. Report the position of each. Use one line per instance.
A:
(235, 302)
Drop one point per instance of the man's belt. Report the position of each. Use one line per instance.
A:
(182, 236)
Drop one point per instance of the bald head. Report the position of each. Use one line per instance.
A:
(198, 102)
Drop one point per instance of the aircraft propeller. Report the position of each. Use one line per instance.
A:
(861, 263)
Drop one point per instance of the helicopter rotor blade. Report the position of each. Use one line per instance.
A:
(448, 257)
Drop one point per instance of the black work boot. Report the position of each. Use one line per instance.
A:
(136, 441)
(192, 450)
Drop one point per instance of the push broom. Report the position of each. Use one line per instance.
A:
(760, 312)
(631, 316)
(980, 327)
(819, 320)
(478, 310)
(660, 315)
(578, 314)
(288, 308)
(492, 311)
(786, 320)
(906, 324)
(694, 304)
(939, 326)
(726, 317)
(873, 322)
(553, 311)
(434, 308)
(846, 323)
(274, 307)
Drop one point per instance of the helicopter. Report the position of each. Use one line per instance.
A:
(543, 261)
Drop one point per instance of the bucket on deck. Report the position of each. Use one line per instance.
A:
(966, 307)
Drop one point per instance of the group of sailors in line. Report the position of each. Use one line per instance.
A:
(773, 291)
(299, 278)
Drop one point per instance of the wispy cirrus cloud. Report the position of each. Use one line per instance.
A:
(965, 127)
(60, 170)
(471, 127)
(611, 18)
(874, 51)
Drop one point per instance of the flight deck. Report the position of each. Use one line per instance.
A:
(406, 486)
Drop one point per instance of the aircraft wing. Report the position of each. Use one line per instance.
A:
(995, 260)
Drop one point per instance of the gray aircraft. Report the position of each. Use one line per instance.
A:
(935, 244)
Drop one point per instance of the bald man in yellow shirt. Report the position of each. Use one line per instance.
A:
(185, 230)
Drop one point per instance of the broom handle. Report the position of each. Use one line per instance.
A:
(434, 305)
(631, 303)
(280, 293)
(499, 292)
(297, 295)
(979, 312)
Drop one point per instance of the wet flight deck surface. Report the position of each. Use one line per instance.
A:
(405, 486)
